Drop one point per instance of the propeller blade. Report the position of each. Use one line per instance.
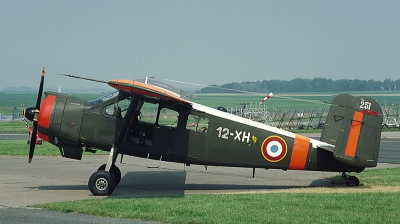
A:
(39, 98)
(37, 108)
(33, 142)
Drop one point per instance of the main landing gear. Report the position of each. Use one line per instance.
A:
(103, 182)
(351, 181)
(107, 177)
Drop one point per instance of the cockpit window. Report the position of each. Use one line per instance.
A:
(118, 108)
(112, 110)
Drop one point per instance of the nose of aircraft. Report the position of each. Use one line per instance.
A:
(29, 113)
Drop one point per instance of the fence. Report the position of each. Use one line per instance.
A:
(303, 118)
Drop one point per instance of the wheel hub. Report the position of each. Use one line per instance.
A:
(101, 184)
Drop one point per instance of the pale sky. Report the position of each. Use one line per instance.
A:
(206, 42)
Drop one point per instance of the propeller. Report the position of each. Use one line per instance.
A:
(32, 114)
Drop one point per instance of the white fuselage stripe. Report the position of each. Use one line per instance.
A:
(315, 143)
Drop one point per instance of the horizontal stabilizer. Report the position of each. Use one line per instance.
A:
(326, 148)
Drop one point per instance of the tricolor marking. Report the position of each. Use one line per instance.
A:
(274, 148)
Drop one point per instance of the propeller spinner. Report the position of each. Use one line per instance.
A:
(32, 114)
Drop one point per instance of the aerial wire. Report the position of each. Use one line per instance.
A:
(248, 92)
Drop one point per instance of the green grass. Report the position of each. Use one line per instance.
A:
(332, 207)
(21, 148)
(22, 101)
(246, 208)
(280, 101)
(16, 126)
(376, 177)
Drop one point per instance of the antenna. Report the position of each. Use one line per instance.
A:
(140, 60)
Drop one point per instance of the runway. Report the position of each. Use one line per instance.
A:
(13, 136)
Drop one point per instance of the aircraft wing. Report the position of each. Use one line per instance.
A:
(148, 90)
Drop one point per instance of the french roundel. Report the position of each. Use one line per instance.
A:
(274, 148)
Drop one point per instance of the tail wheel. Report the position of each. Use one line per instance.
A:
(101, 183)
(115, 171)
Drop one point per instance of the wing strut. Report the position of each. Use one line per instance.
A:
(120, 136)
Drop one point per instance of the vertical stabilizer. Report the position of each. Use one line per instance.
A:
(354, 126)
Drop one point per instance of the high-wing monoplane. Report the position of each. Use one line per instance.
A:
(153, 120)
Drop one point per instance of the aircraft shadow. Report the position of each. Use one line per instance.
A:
(63, 187)
(173, 183)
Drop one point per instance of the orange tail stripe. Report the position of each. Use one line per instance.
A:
(299, 153)
(354, 134)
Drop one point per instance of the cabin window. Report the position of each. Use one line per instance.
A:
(148, 112)
(168, 118)
(198, 123)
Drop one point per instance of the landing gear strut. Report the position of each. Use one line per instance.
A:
(351, 181)
(104, 180)
(114, 171)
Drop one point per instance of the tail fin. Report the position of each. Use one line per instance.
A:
(354, 126)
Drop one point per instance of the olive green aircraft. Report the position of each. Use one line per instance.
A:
(153, 120)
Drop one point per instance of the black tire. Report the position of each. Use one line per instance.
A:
(101, 183)
(115, 171)
(352, 181)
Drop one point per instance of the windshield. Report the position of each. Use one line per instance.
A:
(105, 97)
(182, 94)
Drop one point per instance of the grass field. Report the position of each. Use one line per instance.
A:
(22, 101)
(279, 101)
(377, 201)
(290, 100)
(16, 126)
(21, 148)
(282, 108)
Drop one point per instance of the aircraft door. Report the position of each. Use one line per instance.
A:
(170, 133)
(198, 126)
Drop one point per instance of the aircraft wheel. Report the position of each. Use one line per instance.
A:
(352, 181)
(101, 183)
(115, 171)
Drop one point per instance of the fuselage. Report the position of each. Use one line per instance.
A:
(191, 134)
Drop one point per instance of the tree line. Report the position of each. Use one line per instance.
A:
(306, 85)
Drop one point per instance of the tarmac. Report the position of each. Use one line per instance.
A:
(53, 179)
